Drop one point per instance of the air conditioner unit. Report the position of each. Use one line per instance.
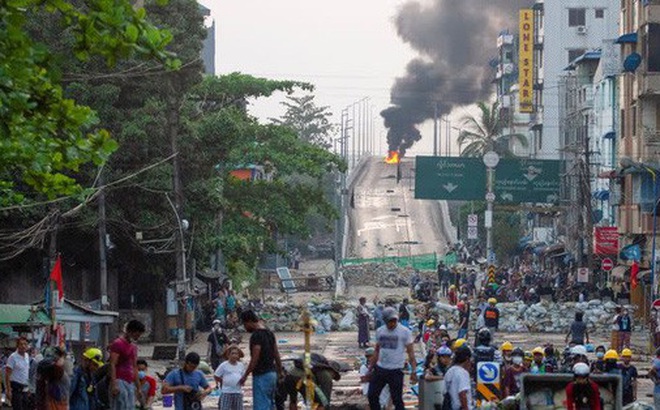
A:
(581, 29)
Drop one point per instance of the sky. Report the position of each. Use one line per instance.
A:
(348, 49)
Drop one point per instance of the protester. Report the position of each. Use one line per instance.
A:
(624, 323)
(17, 370)
(384, 398)
(227, 377)
(654, 375)
(457, 380)
(363, 323)
(147, 385)
(598, 366)
(628, 377)
(53, 382)
(265, 364)
(217, 340)
(404, 314)
(614, 342)
(188, 384)
(538, 365)
(551, 365)
(578, 331)
(463, 320)
(512, 374)
(506, 349)
(437, 363)
(82, 382)
(582, 392)
(123, 367)
(492, 317)
(393, 341)
(611, 362)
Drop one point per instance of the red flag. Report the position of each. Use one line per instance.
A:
(56, 275)
(634, 270)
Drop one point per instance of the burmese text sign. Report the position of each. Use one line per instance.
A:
(527, 180)
(450, 178)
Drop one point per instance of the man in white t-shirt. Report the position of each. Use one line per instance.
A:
(393, 342)
(17, 373)
(457, 380)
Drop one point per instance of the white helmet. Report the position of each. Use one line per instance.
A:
(581, 369)
(579, 350)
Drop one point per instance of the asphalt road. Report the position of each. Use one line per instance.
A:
(386, 220)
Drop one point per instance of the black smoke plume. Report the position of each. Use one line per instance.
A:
(455, 40)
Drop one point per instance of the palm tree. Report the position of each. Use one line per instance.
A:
(483, 133)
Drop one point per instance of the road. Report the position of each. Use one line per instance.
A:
(386, 220)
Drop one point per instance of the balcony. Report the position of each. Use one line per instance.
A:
(648, 84)
(651, 12)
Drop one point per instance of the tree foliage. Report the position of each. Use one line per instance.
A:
(310, 122)
(483, 133)
(46, 137)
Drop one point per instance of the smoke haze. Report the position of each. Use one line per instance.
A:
(455, 40)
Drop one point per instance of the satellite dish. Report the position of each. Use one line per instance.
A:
(632, 62)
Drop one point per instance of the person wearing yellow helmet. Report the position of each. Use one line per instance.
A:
(492, 317)
(528, 358)
(612, 362)
(81, 394)
(458, 343)
(629, 376)
(538, 364)
(506, 348)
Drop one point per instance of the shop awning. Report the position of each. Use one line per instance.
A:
(628, 38)
(23, 315)
(619, 271)
(609, 135)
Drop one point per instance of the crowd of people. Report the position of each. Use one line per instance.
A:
(452, 361)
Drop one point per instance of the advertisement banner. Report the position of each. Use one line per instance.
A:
(526, 61)
(606, 240)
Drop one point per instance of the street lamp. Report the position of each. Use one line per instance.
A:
(491, 159)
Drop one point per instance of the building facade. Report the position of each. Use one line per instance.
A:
(565, 30)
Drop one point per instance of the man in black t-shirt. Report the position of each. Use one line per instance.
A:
(217, 341)
(265, 363)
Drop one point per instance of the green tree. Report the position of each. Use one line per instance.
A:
(483, 133)
(46, 137)
(310, 122)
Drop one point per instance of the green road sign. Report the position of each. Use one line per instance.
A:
(450, 178)
(527, 180)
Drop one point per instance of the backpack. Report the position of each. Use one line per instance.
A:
(101, 385)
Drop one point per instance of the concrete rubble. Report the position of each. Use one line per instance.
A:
(340, 315)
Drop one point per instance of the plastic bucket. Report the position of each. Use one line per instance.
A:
(168, 400)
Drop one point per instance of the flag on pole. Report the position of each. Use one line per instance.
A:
(56, 276)
(634, 270)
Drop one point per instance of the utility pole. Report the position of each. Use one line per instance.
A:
(179, 251)
(491, 159)
(435, 128)
(103, 262)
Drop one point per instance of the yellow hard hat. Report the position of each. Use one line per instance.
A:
(458, 343)
(626, 353)
(611, 354)
(528, 356)
(506, 346)
(492, 301)
(538, 350)
(95, 355)
(430, 322)
(452, 287)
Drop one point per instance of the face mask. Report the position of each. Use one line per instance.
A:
(517, 360)
(600, 355)
(142, 374)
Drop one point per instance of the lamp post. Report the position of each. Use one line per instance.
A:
(181, 280)
(491, 159)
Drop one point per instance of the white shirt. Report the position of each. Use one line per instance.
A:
(392, 346)
(457, 380)
(230, 374)
(20, 367)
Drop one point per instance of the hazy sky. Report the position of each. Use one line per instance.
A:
(348, 49)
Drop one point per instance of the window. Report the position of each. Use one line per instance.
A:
(653, 47)
(575, 53)
(576, 17)
(622, 120)
(600, 13)
(633, 120)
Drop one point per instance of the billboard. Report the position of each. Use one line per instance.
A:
(526, 61)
